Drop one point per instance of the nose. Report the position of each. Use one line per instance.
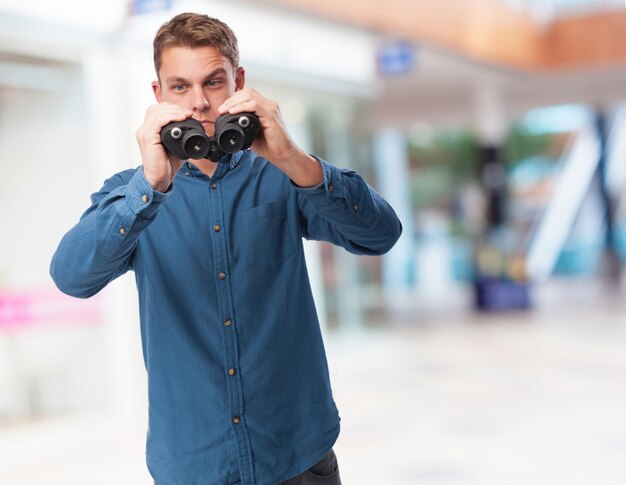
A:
(200, 102)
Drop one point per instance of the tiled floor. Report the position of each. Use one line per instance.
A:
(435, 398)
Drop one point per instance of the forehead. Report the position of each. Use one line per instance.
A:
(187, 61)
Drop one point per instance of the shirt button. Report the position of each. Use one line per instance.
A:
(187, 174)
(221, 275)
(228, 322)
(214, 185)
(236, 420)
(216, 228)
(355, 207)
(330, 187)
(145, 198)
(232, 372)
(122, 230)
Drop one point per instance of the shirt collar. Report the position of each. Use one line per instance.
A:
(226, 163)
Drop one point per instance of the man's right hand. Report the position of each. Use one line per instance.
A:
(159, 166)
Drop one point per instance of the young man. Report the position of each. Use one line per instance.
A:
(239, 390)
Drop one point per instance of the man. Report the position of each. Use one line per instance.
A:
(238, 381)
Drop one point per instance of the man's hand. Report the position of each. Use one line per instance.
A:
(273, 141)
(159, 166)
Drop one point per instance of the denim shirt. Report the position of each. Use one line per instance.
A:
(238, 383)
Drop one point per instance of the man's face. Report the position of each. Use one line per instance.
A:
(199, 79)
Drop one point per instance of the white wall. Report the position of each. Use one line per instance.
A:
(73, 90)
(43, 142)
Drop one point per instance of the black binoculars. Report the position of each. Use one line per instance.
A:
(233, 132)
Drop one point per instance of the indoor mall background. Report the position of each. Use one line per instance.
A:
(486, 348)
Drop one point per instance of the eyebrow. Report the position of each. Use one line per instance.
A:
(217, 72)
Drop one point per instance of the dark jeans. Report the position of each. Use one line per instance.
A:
(325, 472)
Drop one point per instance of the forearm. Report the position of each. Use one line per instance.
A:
(78, 268)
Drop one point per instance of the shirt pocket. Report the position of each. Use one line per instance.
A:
(269, 238)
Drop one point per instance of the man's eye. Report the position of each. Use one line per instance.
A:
(179, 88)
(213, 84)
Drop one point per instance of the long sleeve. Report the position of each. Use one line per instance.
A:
(346, 211)
(99, 248)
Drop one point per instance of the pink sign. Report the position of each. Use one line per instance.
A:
(47, 306)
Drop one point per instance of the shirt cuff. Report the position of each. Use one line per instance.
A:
(142, 198)
(330, 189)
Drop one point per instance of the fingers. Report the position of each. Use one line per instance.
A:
(159, 166)
(237, 98)
(249, 100)
(157, 116)
(161, 114)
(247, 107)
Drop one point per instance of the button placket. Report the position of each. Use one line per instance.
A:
(229, 328)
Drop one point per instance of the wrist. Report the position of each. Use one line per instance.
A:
(303, 170)
(162, 188)
(157, 183)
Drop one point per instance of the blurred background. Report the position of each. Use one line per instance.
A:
(487, 347)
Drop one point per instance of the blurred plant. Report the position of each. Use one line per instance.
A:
(455, 151)
(522, 143)
(450, 159)
(442, 165)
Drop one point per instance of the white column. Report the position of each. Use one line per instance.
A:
(348, 287)
(109, 153)
(490, 115)
(392, 172)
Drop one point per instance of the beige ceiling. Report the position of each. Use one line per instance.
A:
(484, 30)
(464, 47)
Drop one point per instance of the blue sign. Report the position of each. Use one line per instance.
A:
(139, 7)
(396, 59)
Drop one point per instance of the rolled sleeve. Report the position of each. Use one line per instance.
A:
(99, 247)
(331, 188)
(347, 211)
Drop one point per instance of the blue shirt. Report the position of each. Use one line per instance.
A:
(238, 383)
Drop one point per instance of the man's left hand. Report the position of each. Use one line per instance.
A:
(273, 141)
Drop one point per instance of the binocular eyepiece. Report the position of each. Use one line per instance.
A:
(187, 139)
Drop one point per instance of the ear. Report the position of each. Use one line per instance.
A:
(240, 78)
(156, 89)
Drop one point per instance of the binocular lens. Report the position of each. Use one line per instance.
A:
(231, 140)
(196, 145)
